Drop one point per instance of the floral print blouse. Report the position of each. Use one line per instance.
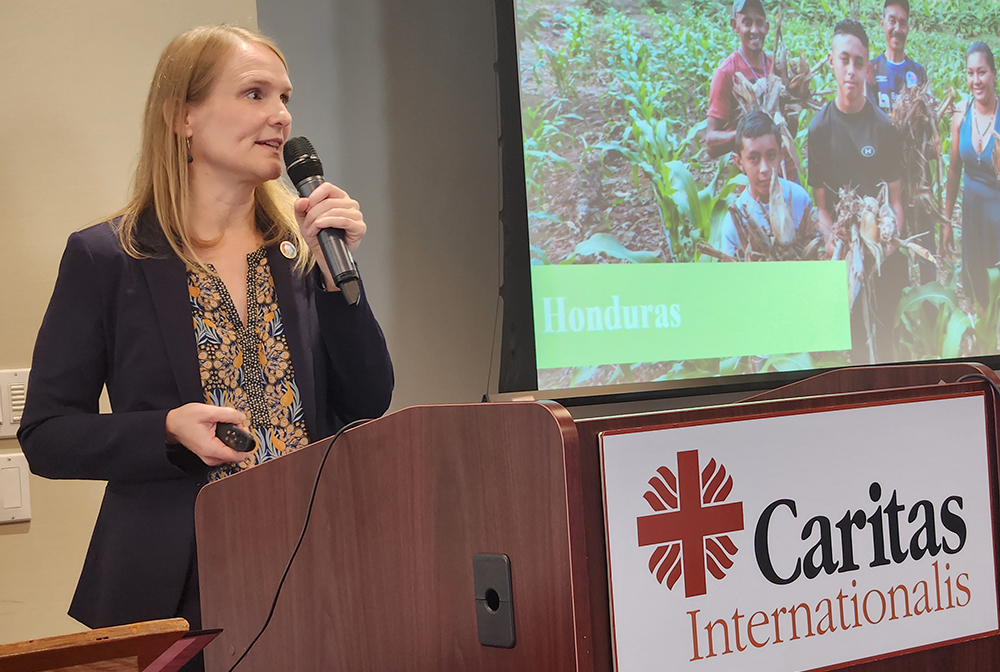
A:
(248, 366)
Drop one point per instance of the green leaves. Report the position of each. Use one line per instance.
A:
(605, 243)
(544, 135)
(932, 324)
(528, 25)
(582, 375)
(734, 365)
(538, 256)
(933, 292)
(799, 362)
(688, 198)
(988, 326)
(964, 17)
(546, 156)
(686, 210)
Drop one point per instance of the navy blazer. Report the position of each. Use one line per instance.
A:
(126, 323)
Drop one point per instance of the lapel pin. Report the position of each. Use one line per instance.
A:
(287, 249)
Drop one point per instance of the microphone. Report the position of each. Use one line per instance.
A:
(306, 172)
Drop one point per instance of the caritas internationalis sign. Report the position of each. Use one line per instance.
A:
(800, 542)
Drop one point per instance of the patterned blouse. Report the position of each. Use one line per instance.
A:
(248, 366)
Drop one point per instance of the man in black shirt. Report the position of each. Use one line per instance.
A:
(853, 144)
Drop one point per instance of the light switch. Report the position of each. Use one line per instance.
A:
(17, 393)
(15, 500)
(13, 390)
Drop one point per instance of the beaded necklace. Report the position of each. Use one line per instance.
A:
(981, 134)
(752, 71)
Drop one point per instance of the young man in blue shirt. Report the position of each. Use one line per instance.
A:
(758, 155)
(890, 73)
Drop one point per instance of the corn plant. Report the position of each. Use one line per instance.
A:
(936, 333)
(652, 153)
(579, 23)
(965, 17)
(692, 45)
(560, 66)
(576, 57)
(625, 50)
(544, 135)
(642, 99)
(987, 326)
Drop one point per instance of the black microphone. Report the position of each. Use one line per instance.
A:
(306, 172)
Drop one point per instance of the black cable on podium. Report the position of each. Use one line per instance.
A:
(302, 535)
(980, 376)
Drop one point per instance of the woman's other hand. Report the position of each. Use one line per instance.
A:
(947, 239)
(193, 426)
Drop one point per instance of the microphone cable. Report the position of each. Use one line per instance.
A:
(980, 376)
(302, 535)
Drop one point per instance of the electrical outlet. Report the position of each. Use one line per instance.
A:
(15, 498)
(13, 389)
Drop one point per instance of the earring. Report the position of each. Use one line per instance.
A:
(190, 158)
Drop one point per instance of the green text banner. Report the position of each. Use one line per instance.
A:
(624, 313)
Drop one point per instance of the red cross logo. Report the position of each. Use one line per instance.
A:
(691, 526)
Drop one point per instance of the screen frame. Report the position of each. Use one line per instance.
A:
(518, 377)
(517, 343)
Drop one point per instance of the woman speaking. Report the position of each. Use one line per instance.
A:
(205, 300)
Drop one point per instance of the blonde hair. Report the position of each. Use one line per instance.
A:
(184, 77)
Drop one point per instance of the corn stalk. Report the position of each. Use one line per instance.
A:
(776, 239)
(866, 233)
(918, 115)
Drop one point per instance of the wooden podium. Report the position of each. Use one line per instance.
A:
(384, 579)
(124, 648)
